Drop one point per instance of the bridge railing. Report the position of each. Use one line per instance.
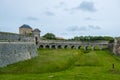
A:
(72, 42)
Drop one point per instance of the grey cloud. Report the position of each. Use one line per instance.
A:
(31, 18)
(64, 33)
(59, 5)
(48, 13)
(88, 18)
(83, 28)
(94, 27)
(77, 28)
(86, 6)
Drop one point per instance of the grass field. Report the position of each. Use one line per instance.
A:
(65, 64)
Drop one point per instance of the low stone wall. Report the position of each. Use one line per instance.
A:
(12, 52)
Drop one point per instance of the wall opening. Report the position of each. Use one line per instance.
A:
(88, 48)
(53, 46)
(41, 46)
(47, 46)
(96, 47)
(79, 47)
(72, 47)
(65, 46)
(59, 46)
(36, 40)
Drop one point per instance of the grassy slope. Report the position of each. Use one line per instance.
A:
(71, 64)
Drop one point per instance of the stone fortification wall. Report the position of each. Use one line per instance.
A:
(14, 37)
(12, 52)
(116, 47)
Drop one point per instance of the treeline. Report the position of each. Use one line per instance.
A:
(93, 38)
(51, 36)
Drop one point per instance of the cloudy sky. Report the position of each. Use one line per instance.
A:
(64, 18)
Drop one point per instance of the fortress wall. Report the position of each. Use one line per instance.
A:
(14, 37)
(12, 52)
(116, 48)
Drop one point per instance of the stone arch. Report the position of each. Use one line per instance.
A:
(47, 46)
(53, 46)
(82, 47)
(96, 47)
(41, 46)
(72, 47)
(59, 46)
(88, 47)
(102, 47)
(79, 47)
(65, 46)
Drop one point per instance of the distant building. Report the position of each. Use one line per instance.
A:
(25, 29)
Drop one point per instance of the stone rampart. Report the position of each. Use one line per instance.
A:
(116, 47)
(12, 52)
(14, 37)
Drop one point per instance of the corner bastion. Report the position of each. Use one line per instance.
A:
(12, 52)
(17, 47)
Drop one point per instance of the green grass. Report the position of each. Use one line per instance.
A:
(48, 60)
(65, 64)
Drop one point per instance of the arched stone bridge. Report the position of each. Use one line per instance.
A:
(55, 44)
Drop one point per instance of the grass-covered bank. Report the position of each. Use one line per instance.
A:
(65, 64)
(48, 60)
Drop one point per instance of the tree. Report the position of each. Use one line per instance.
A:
(49, 36)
